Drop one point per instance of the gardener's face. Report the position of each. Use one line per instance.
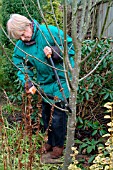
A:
(26, 34)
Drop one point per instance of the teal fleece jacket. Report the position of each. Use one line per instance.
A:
(45, 74)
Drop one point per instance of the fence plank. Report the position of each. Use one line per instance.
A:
(100, 20)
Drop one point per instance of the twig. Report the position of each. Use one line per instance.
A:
(96, 65)
(93, 49)
(56, 22)
(41, 13)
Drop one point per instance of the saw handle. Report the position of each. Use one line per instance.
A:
(49, 56)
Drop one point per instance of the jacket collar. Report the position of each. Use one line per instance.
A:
(35, 26)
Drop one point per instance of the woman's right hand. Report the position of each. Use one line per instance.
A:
(47, 51)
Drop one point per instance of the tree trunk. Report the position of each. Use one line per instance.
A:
(72, 119)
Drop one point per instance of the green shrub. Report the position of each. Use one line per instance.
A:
(104, 158)
(100, 83)
(50, 14)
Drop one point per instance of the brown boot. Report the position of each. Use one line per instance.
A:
(57, 152)
(45, 148)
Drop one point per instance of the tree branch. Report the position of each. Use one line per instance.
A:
(96, 65)
(86, 24)
(82, 19)
(41, 13)
(56, 22)
(93, 49)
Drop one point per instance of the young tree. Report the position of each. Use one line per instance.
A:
(78, 35)
(84, 10)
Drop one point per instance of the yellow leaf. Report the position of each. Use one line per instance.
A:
(108, 105)
(107, 117)
(110, 129)
(110, 124)
(106, 135)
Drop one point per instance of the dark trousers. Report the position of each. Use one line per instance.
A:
(57, 130)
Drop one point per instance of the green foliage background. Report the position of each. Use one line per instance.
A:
(0, 11)
(57, 13)
(93, 92)
(87, 89)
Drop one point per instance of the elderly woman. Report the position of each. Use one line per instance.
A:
(35, 40)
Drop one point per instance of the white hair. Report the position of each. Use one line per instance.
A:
(15, 24)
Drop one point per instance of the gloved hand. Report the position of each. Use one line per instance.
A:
(47, 51)
(30, 88)
(54, 52)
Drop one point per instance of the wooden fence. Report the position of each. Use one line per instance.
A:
(108, 32)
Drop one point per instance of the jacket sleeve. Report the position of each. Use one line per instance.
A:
(22, 68)
(59, 37)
